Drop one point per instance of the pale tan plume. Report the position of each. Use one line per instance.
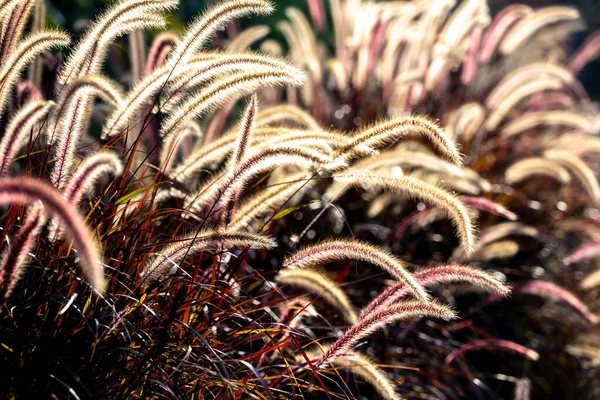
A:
(96, 85)
(281, 113)
(68, 122)
(177, 82)
(38, 24)
(196, 242)
(529, 73)
(526, 27)
(554, 118)
(6, 7)
(18, 130)
(223, 189)
(530, 167)
(212, 154)
(248, 37)
(321, 285)
(383, 133)
(13, 24)
(121, 18)
(188, 79)
(269, 200)
(366, 369)
(591, 281)
(415, 188)
(502, 249)
(510, 102)
(224, 90)
(317, 255)
(205, 26)
(581, 170)
(26, 52)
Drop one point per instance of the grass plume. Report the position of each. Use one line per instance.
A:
(28, 190)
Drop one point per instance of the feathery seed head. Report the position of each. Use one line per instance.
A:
(416, 188)
(28, 190)
(337, 250)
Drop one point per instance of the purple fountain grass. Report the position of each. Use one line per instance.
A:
(584, 252)
(38, 23)
(178, 82)
(16, 14)
(507, 17)
(549, 290)
(586, 53)
(215, 152)
(180, 143)
(436, 275)
(27, 92)
(185, 78)
(82, 179)
(384, 133)
(7, 7)
(243, 138)
(483, 204)
(256, 164)
(580, 169)
(376, 320)
(28, 190)
(239, 154)
(531, 72)
(26, 52)
(97, 85)
(13, 258)
(121, 18)
(269, 199)
(88, 173)
(201, 29)
(190, 266)
(416, 188)
(195, 243)
(523, 389)
(532, 167)
(161, 46)
(278, 114)
(137, 55)
(538, 119)
(226, 89)
(68, 121)
(247, 38)
(492, 343)
(533, 22)
(18, 130)
(337, 250)
(69, 136)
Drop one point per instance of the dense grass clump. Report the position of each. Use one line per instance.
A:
(230, 223)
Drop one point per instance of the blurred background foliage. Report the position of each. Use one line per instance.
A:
(67, 12)
(75, 16)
